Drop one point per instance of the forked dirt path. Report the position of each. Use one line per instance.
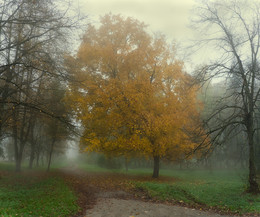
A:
(116, 207)
(109, 195)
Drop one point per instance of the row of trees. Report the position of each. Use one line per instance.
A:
(32, 33)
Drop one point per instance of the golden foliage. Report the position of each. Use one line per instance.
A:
(132, 95)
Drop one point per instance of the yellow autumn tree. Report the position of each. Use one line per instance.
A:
(132, 95)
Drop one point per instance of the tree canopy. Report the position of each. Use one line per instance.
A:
(132, 96)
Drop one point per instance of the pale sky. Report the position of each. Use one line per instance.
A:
(170, 17)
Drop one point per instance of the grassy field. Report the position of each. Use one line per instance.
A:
(219, 190)
(34, 193)
(48, 195)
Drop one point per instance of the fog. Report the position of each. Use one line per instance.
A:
(169, 17)
(136, 99)
(173, 19)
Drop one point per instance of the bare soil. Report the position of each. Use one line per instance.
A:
(108, 204)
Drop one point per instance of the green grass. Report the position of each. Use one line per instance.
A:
(29, 195)
(223, 190)
(7, 166)
(97, 169)
(10, 166)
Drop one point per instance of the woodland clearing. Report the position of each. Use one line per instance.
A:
(72, 191)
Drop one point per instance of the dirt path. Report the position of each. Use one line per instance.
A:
(107, 195)
(111, 204)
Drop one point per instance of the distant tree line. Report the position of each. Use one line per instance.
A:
(33, 117)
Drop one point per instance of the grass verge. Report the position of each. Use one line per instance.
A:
(36, 195)
(221, 190)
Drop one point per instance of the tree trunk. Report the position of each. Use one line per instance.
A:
(257, 150)
(37, 159)
(42, 159)
(32, 141)
(18, 163)
(32, 156)
(156, 166)
(17, 156)
(252, 179)
(50, 155)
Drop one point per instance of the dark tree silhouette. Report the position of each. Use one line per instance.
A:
(233, 27)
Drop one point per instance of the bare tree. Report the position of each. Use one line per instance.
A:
(233, 27)
(57, 132)
(33, 35)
